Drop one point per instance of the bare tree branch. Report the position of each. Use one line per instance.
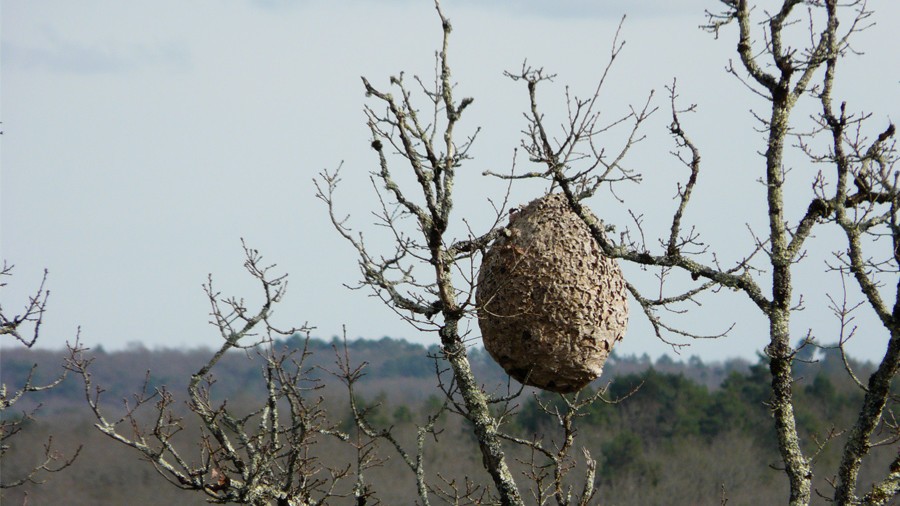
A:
(10, 426)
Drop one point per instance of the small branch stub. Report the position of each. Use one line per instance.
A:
(551, 306)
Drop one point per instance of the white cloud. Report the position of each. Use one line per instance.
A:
(57, 54)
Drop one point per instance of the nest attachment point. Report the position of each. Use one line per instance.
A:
(551, 306)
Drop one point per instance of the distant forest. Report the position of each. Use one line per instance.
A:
(673, 428)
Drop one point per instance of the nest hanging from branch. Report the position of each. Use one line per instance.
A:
(550, 304)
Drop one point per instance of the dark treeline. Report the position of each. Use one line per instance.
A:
(388, 360)
(673, 428)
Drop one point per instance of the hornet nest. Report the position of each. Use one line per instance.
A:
(550, 304)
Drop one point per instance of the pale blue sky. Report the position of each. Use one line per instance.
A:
(142, 140)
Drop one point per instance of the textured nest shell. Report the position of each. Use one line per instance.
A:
(551, 306)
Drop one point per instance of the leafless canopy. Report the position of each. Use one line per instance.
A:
(858, 193)
(263, 456)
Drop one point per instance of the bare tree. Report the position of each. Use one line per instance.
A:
(25, 329)
(429, 278)
(859, 194)
(429, 147)
(262, 456)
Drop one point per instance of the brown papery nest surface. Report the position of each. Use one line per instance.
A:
(551, 306)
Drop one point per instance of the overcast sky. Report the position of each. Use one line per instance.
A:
(142, 140)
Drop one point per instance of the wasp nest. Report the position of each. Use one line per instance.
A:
(551, 305)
